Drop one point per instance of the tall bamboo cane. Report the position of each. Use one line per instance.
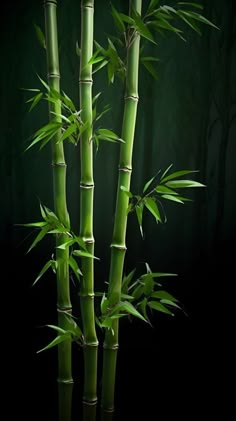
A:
(118, 246)
(59, 192)
(86, 205)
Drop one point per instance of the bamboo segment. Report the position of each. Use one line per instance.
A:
(59, 192)
(118, 246)
(86, 206)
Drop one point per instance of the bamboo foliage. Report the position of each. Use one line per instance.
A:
(127, 295)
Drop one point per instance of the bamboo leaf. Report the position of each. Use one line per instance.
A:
(74, 266)
(139, 213)
(152, 5)
(127, 279)
(59, 339)
(34, 224)
(197, 5)
(142, 27)
(39, 237)
(170, 303)
(163, 295)
(148, 184)
(157, 274)
(43, 270)
(82, 253)
(127, 306)
(77, 49)
(104, 304)
(165, 190)
(44, 83)
(143, 307)
(190, 22)
(36, 100)
(95, 60)
(126, 191)
(184, 184)
(172, 198)
(166, 171)
(177, 174)
(151, 205)
(117, 20)
(200, 18)
(127, 19)
(149, 285)
(57, 329)
(151, 69)
(69, 131)
(100, 66)
(40, 36)
(155, 305)
(138, 291)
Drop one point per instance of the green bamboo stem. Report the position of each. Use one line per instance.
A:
(118, 246)
(86, 206)
(59, 192)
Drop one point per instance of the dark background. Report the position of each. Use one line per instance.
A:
(187, 118)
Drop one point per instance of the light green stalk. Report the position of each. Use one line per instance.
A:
(118, 246)
(59, 191)
(86, 205)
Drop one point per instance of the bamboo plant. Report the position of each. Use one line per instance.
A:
(129, 294)
(90, 344)
(59, 192)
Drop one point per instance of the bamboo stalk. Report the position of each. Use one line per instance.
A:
(59, 192)
(86, 206)
(118, 246)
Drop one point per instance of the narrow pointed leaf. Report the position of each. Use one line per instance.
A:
(39, 237)
(155, 305)
(177, 174)
(170, 303)
(127, 279)
(197, 5)
(59, 339)
(163, 295)
(69, 131)
(74, 266)
(165, 190)
(151, 205)
(139, 213)
(166, 171)
(43, 270)
(148, 184)
(40, 36)
(172, 198)
(57, 329)
(117, 19)
(82, 253)
(184, 184)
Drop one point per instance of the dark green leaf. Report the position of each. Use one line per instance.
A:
(197, 5)
(43, 270)
(166, 171)
(152, 5)
(165, 190)
(126, 19)
(172, 198)
(57, 329)
(39, 237)
(127, 279)
(184, 184)
(104, 304)
(149, 285)
(151, 205)
(177, 174)
(82, 253)
(139, 213)
(143, 307)
(69, 131)
(44, 83)
(159, 307)
(74, 266)
(127, 306)
(151, 69)
(126, 191)
(170, 303)
(40, 36)
(59, 339)
(142, 27)
(163, 295)
(36, 100)
(35, 224)
(138, 291)
(117, 19)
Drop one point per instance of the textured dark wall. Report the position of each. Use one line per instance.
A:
(187, 118)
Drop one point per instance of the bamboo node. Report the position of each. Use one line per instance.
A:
(90, 344)
(90, 295)
(89, 81)
(112, 348)
(125, 169)
(63, 381)
(59, 164)
(50, 75)
(91, 402)
(50, 2)
(118, 247)
(64, 309)
(87, 186)
(133, 97)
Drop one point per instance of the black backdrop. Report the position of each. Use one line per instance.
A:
(187, 118)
